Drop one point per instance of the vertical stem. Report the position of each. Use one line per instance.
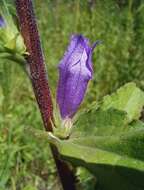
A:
(38, 76)
(35, 59)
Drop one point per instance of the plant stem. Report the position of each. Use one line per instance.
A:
(35, 59)
(39, 81)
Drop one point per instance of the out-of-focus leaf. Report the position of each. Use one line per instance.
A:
(29, 187)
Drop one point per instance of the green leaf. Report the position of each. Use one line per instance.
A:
(94, 121)
(129, 141)
(112, 170)
(128, 98)
(116, 160)
(115, 111)
(109, 140)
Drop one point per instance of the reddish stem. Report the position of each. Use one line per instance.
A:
(39, 81)
(35, 59)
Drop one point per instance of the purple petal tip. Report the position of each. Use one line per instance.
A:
(98, 42)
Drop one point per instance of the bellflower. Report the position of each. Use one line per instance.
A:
(75, 71)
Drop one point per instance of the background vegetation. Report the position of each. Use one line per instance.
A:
(26, 164)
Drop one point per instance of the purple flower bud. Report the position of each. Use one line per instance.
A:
(2, 22)
(75, 71)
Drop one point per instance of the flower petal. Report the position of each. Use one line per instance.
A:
(89, 61)
(75, 72)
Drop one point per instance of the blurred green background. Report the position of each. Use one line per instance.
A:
(25, 163)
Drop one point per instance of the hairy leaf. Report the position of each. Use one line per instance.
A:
(128, 98)
(109, 140)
